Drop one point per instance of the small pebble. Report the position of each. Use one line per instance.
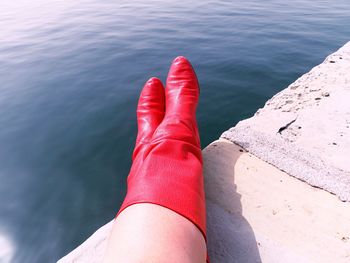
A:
(345, 239)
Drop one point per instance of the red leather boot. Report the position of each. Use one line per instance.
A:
(167, 159)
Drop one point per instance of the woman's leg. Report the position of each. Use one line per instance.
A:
(162, 218)
(148, 233)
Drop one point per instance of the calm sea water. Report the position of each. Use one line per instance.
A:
(70, 75)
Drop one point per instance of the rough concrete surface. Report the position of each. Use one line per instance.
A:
(305, 129)
(93, 249)
(257, 213)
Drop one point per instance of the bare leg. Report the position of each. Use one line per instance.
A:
(150, 233)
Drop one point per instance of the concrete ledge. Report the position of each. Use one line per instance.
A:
(305, 129)
(93, 249)
(257, 213)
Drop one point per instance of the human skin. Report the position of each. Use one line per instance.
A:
(148, 233)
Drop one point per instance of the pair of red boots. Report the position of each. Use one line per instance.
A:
(167, 159)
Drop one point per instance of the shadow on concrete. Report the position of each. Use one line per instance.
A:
(230, 237)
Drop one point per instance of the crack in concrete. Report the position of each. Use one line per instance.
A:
(286, 126)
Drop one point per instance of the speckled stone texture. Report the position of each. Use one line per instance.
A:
(304, 130)
(93, 249)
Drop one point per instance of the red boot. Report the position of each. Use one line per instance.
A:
(167, 159)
